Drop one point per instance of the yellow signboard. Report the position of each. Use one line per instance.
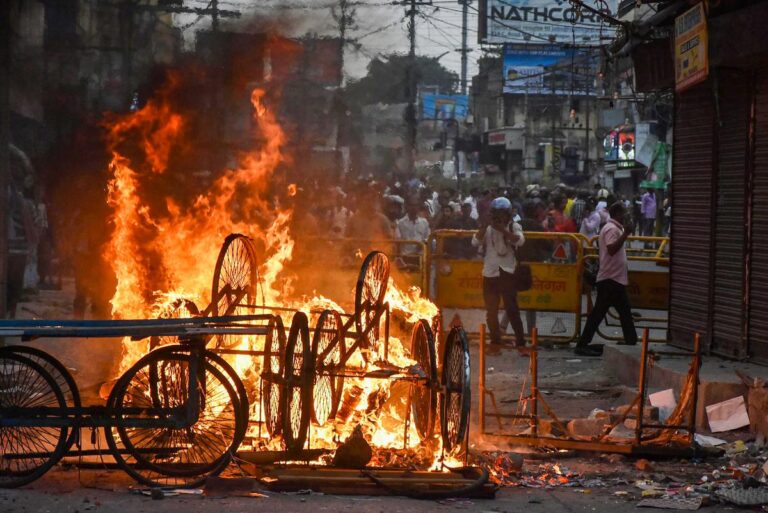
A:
(556, 287)
(691, 48)
(648, 290)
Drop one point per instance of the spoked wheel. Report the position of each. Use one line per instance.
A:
(28, 451)
(327, 351)
(369, 296)
(155, 391)
(235, 282)
(179, 309)
(298, 377)
(424, 394)
(60, 375)
(272, 376)
(454, 414)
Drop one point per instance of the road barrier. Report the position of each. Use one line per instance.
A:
(553, 304)
(648, 289)
(408, 257)
(559, 297)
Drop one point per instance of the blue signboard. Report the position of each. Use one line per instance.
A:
(444, 106)
(549, 69)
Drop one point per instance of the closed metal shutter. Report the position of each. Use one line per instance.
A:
(728, 312)
(690, 262)
(758, 280)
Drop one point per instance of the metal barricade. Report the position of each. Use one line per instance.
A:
(534, 422)
(343, 255)
(553, 304)
(648, 287)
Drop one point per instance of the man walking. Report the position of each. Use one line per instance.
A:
(648, 211)
(500, 241)
(611, 283)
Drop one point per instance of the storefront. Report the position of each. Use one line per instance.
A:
(719, 247)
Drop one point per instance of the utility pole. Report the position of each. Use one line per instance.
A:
(410, 111)
(215, 15)
(464, 49)
(5, 141)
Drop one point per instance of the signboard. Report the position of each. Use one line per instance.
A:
(556, 287)
(497, 138)
(537, 21)
(444, 106)
(549, 69)
(691, 48)
(619, 147)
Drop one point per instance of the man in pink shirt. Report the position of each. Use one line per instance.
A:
(611, 283)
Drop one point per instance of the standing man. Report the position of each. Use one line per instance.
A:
(611, 283)
(500, 241)
(648, 211)
(411, 227)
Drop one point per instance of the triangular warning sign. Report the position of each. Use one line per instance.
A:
(559, 253)
(558, 326)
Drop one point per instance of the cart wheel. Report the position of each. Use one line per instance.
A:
(327, 352)
(61, 376)
(179, 309)
(369, 295)
(235, 282)
(298, 376)
(226, 369)
(181, 454)
(272, 375)
(454, 414)
(424, 395)
(27, 452)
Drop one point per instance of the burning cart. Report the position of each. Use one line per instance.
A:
(179, 413)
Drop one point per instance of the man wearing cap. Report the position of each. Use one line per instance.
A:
(612, 283)
(499, 241)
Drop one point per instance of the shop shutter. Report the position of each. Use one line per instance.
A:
(728, 312)
(690, 263)
(758, 297)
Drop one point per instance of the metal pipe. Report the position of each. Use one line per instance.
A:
(481, 381)
(695, 399)
(535, 381)
(641, 386)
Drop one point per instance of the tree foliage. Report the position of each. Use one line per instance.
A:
(387, 79)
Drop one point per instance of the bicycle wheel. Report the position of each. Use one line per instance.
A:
(27, 452)
(235, 282)
(369, 296)
(298, 378)
(178, 455)
(179, 309)
(272, 376)
(457, 399)
(328, 349)
(424, 395)
(63, 379)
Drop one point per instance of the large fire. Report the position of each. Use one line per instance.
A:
(162, 254)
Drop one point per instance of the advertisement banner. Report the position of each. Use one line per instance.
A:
(691, 48)
(444, 106)
(549, 69)
(553, 21)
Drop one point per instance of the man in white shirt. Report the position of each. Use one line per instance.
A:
(411, 227)
(612, 280)
(500, 241)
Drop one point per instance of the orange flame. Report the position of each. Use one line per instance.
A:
(162, 254)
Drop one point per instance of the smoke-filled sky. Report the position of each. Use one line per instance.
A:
(381, 27)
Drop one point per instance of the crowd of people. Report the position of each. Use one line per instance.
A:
(411, 210)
